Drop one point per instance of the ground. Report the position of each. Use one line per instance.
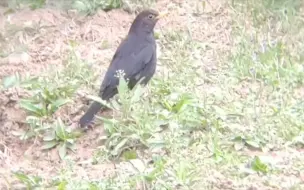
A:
(224, 110)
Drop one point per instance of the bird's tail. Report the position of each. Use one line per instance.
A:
(89, 115)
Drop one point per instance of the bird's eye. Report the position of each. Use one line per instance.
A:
(151, 16)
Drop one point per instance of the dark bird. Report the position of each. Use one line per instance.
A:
(135, 56)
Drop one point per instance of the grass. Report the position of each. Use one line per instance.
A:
(182, 136)
(87, 7)
(268, 61)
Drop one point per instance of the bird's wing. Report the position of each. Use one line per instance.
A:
(139, 60)
(132, 60)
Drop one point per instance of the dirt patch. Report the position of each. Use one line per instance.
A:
(45, 35)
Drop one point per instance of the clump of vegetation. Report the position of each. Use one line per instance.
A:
(91, 6)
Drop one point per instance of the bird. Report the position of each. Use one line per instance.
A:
(135, 57)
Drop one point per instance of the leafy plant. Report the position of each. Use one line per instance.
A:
(60, 136)
(43, 107)
(125, 131)
(241, 141)
(91, 6)
(47, 95)
(258, 166)
(10, 81)
(33, 4)
(36, 4)
(30, 181)
(36, 128)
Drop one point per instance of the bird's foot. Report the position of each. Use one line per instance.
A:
(87, 126)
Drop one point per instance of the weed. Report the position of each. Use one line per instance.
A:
(33, 4)
(30, 181)
(91, 6)
(61, 136)
(47, 96)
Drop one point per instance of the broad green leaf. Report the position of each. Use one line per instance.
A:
(29, 180)
(93, 187)
(167, 105)
(252, 143)
(72, 147)
(27, 135)
(122, 86)
(138, 92)
(156, 143)
(29, 106)
(119, 146)
(79, 5)
(71, 141)
(22, 177)
(130, 155)
(62, 185)
(115, 105)
(49, 145)
(98, 99)
(258, 165)
(44, 95)
(73, 43)
(11, 81)
(17, 133)
(108, 121)
(33, 119)
(181, 104)
(60, 130)
(50, 136)
(62, 151)
(58, 103)
(238, 138)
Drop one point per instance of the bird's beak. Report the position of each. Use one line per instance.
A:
(161, 15)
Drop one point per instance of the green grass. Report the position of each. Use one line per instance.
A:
(268, 58)
(88, 7)
(202, 138)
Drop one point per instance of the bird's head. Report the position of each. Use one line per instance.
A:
(146, 20)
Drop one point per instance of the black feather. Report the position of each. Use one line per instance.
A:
(135, 56)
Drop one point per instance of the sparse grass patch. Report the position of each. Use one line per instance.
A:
(33, 4)
(264, 71)
(265, 57)
(47, 93)
(91, 6)
(61, 136)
